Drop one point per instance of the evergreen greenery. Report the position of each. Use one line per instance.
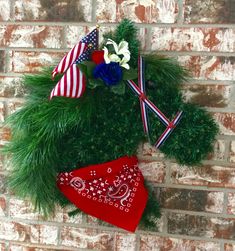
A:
(64, 134)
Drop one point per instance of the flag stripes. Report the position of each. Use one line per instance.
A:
(69, 58)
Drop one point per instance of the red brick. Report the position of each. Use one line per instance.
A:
(5, 10)
(21, 209)
(2, 61)
(229, 247)
(232, 151)
(215, 11)
(141, 12)
(44, 234)
(207, 227)
(86, 238)
(193, 39)
(76, 219)
(231, 203)
(31, 36)
(14, 231)
(211, 176)
(193, 200)
(154, 243)
(210, 67)
(219, 151)
(25, 247)
(3, 186)
(226, 122)
(153, 171)
(59, 10)
(11, 87)
(5, 134)
(14, 106)
(146, 150)
(31, 62)
(3, 206)
(208, 95)
(3, 247)
(125, 242)
(2, 111)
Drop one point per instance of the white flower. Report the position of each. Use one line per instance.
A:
(120, 49)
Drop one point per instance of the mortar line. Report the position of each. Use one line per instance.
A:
(180, 18)
(221, 246)
(222, 163)
(227, 150)
(93, 11)
(137, 245)
(166, 53)
(225, 204)
(93, 23)
(193, 187)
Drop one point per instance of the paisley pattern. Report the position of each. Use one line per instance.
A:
(117, 190)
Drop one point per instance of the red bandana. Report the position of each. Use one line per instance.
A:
(113, 191)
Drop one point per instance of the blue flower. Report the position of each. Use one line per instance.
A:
(110, 73)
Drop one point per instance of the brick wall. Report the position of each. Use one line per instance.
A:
(198, 203)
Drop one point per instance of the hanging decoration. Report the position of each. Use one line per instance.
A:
(75, 139)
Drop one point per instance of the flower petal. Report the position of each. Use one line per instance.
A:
(114, 58)
(106, 55)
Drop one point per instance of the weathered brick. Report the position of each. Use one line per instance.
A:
(211, 176)
(53, 10)
(31, 36)
(193, 200)
(76, 219)
(25, 247)
(21, 209)
(86, 238)
(208, 95)
(31, 62)
(125, 242)
(3, 246)
(3, 206)
(5, 10)
(219, 151)
(215, 11)
(44, 234)
(74, 34)
(2, 61)
(3, 186)
(14, 231)
(2, 111)
(13, 106)
(226, 122)
(231, 203)
(232, 151)
(162, 11)
(154, 243)
(5, 134)
(153, 171)
(193, 39)
(11, 87)
(194, 225)
(229, 247)
(147, 150)
(210, 67)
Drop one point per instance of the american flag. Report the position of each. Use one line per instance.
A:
(72, 84)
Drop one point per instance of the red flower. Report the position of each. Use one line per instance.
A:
(97, 57)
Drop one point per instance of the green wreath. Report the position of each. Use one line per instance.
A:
(52, 136)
